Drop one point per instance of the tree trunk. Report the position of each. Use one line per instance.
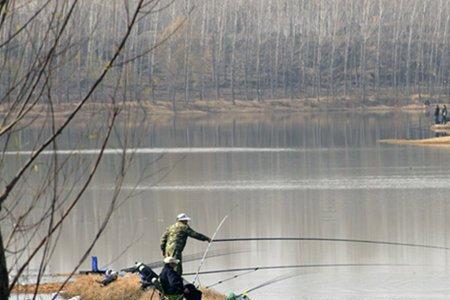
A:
(221, 57)
(292, 57)
(333, 50)
(348, 30)
(152, 58)
(363, 52)
(246, 61)
(395, 67)
(408, 59)
(171, 88)
(275, 79)
(318, 70)
(258, 53)
(233, 55)
(203, 42)
(443, 50)
(420, 59)
(380, 17)
(187, 49)
(4, 279)
(215, 75)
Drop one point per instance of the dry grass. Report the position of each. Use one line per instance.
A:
(45, 288)
(125, 288)
(443, 142)
(89, 289)
(212, 295)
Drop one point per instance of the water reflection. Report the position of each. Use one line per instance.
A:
(315, 175)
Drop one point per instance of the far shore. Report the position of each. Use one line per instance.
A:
(441, 127)
(440, 142)
(204, 107)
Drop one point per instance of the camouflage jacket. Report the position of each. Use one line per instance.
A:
(174, 239)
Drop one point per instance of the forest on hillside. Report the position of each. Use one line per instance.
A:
(234, 49)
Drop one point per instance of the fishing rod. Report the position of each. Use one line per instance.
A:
(297, 266)
(207, 249)
(243, 295)
(188, 258)
(210, 243)
(330, 240)
(295, 274)
(272, 281)
(231, 278)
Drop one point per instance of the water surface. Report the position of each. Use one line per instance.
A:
(320, 175)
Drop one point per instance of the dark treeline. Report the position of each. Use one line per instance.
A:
(248, 49)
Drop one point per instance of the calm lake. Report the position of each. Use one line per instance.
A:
(321, 175)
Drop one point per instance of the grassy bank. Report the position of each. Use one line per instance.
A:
(88, 288)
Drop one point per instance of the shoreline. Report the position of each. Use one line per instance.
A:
(437, 142)
(207, 107)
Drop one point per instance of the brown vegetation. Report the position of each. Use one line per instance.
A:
(125, 288)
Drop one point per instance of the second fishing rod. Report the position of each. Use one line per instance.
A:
(320, 239)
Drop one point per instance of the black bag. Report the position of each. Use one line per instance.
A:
(147, 275)
(192, 293)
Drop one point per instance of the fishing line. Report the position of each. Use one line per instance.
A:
(331, 240)
(295, 274)
(189, 258)
(272, 281)
(298, 266)
(231, 278)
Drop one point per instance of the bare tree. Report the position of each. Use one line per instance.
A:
(29, 86)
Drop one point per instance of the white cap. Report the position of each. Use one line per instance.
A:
(171, 260)
(183, 217)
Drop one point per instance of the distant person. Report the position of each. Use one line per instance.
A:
(437, 114)
(174, 239)
(428, 108)
(173, 285)
(444, 115)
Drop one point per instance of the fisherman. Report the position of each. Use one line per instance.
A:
(444, 115)
(174, 239)
(437, 114)
(170, 280)
(172, 283)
